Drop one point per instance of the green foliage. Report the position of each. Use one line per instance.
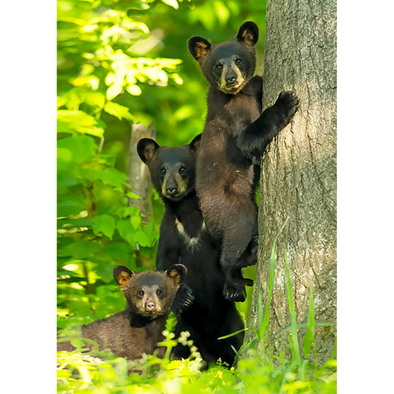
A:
(256, 370)
(122, 62)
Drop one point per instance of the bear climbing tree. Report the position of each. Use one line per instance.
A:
(298, 170)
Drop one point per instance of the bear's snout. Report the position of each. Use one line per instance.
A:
(150, 306)
(171, 190)
(231, 79)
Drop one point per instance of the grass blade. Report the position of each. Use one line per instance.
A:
(264, 328)
(260, 311)
(310, 328)
(288, 286)
(295, 348)
(232, 334)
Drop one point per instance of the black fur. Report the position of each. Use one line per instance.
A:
(235, 136)
(184, 239)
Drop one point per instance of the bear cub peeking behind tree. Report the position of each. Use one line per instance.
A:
(235, 136)
(184, 239)
(137, 329)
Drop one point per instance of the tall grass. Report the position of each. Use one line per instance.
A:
(255, 371)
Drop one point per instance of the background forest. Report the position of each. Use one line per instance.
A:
(121, 63)
(118, 63)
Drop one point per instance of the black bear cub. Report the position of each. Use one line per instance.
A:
(138, 328)
(235, 136)
(184, 239)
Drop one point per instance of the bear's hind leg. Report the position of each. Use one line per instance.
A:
(238, 251)
(234, 285)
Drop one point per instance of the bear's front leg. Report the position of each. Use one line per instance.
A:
(183, 300)
(253, 141)
(285, 107)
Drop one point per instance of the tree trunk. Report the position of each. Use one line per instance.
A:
(138, 171)
(298, 170)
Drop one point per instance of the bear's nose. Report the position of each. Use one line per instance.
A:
(231, 79)
(171, 190)
(150, 306)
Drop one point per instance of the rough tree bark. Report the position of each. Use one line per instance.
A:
(139, 177)
(140, 182)
(298, 170)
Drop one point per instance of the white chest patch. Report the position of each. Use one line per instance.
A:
(192, 242)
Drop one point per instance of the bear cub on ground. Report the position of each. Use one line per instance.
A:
(137, 329)
(184, 239)
(235, 136)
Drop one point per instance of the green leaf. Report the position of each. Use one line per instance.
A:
(76, 96)
(109, 176)
(222, 12)
(133, 195)
(65, 179)
(104, 224)
(70, 205)
(95, 99)
(143, 239)
(80, 250)
(64, 154)
(78, 148)
(113, 177)
(134, 90)
(126, 231)
(119, 111)
(138, 6)
(171, 3)
(79, 121)
(114, 90)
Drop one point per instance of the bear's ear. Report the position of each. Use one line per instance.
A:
(195, 144)
(177, 273)
(146, 149)
(122, 274)
(248, 33)
(198, 47)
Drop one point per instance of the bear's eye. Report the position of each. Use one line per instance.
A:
(140, 293)
(163, 171)
(159, 292)
(238, 61)
(182, 170)
(219, 66)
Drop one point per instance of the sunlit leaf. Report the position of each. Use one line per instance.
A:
(113, 91)
(64, 155)
(221, 11)
(177, 78)
(134, 90)
(172, 3)
(120, 111)
(79, 121)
